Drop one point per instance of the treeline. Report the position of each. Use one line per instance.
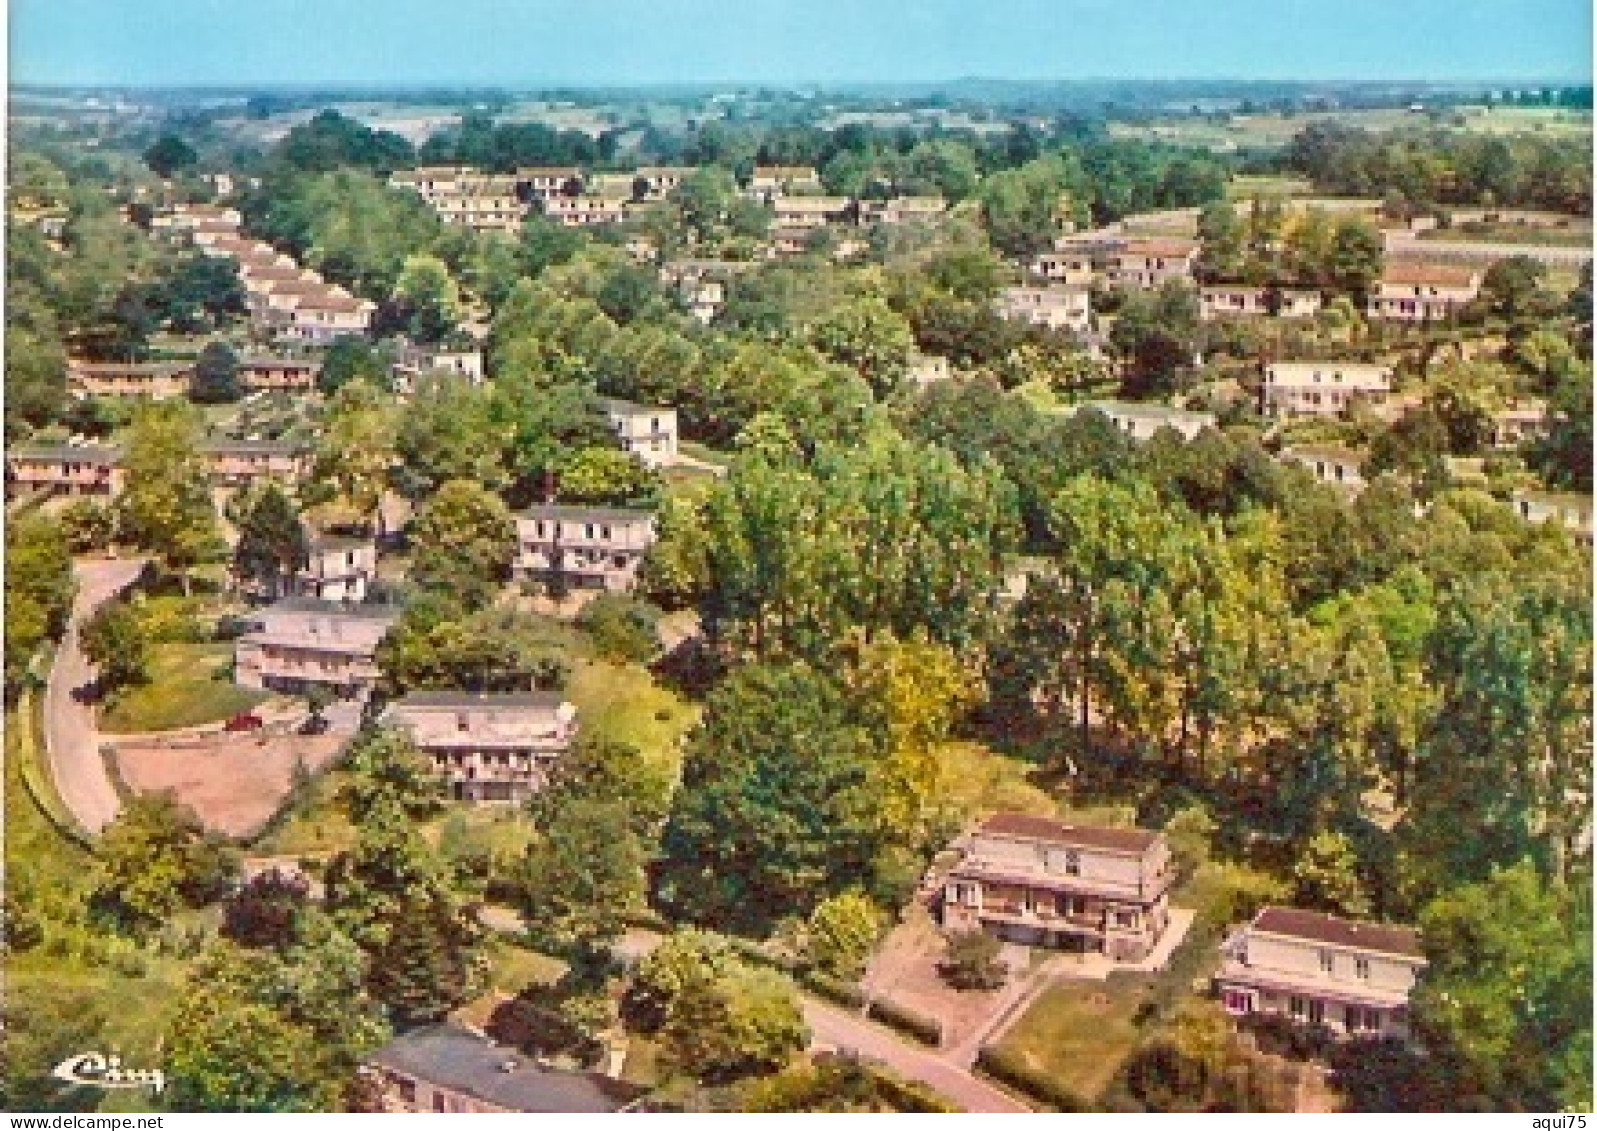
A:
(1429, 168)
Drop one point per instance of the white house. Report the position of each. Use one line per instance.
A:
(1323, 388)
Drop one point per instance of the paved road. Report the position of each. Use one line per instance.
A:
(835, 1029)
(70, 737)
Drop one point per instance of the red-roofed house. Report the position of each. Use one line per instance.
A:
(1423, 292)
(1041, 881)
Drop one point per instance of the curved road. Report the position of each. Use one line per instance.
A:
(836, 1029)
(70, 737)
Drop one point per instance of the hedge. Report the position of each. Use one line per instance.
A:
(751, 951)
(846, 994)
(927, 1030)
(1017, 1074)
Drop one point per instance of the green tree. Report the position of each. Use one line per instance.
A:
(973, 963)
(115, 642)
(747, 1022)
(448, 431)
(685, 964)
(39, 588)
(583, 877)
(215, 376)
(157, 857)
(464, 542)
(272, 545)
(356, 449)
(90, 526)
(350, 358)
(598, 769)
(605, 476)
(1505, 1001)
(226, 1055)
(427, 298)
(1326, 876)
(170, 154)
(623, 629)
(841, 933)
(869, 337)
(166, 506)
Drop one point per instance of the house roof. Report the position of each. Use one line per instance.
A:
(1318, 927)
(1026, 827)
(254, 447)
(461, 1061)
(129, 368)
(278, 363)
(1324, 451)
(88, 453)
(585, 514)
(1159, 248)
(331, 608)
(514, 700)
(1437, 274)
(1150, 411)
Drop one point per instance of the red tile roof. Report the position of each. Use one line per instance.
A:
(1434, 274)
(1026, 827)
(1318, 927)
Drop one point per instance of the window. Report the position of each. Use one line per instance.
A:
(1072, 863)
(1316, 1013)
(1361, 968)
(1327, 962)
(406, 1088)
(1126, 919)
(1359, 1020)
(438, 1101)
(1296, 1006)
(1237, 1001)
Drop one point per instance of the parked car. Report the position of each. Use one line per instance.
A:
(246, 721)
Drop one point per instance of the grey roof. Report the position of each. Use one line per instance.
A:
(507, 700)
(462, 1061)
(566, 513)
(280, 447)
(331, 608)
(88, 453)
(1149, 411)
(340, 542)
(1027, 827)
(1316, 926)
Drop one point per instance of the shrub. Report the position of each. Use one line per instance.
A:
(622, 628)
(927, 1030)
(1017, 1074)
(972, 962)
(835, 990)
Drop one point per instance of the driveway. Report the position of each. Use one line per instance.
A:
(70, 738)
(833, 1028)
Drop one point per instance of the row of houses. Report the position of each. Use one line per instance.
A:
(1044, 882)
(96, 470)
(1405, 291)
(159, 380)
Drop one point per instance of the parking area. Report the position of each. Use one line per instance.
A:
(235, 782)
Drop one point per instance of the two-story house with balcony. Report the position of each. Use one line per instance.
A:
(647, 431)
(1072, 267)
(1323, 388)
(1423, 292)
(902, 210)
(545, 181)
(239, 463)
(416, 360)
(156, 380)
(300, 642)
(587, 547)
(1043, 882)
(1056, 307)
(495, 747)
(810, 212)
(580, 211)
(338, 568)
(278, 374)
(65, 469)
(333, 313)
(774, 180)
(1150, 264)
(1352, 977)
(1233, 300)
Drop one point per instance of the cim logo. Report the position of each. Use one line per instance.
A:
(102, 1071)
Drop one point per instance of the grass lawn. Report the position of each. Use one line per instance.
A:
(516, 967)
(1578, 234)
(186, 688)
(623, 702)
(704, 452)
(1080, 1032)
(318, 826)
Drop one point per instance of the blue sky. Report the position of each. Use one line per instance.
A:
(531, 42)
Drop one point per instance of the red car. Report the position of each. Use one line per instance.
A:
(246, 721)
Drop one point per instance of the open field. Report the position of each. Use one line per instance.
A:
(1080, 1031)
(235, 782)
(1272, 131)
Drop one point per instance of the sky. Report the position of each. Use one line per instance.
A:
(594, 42)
